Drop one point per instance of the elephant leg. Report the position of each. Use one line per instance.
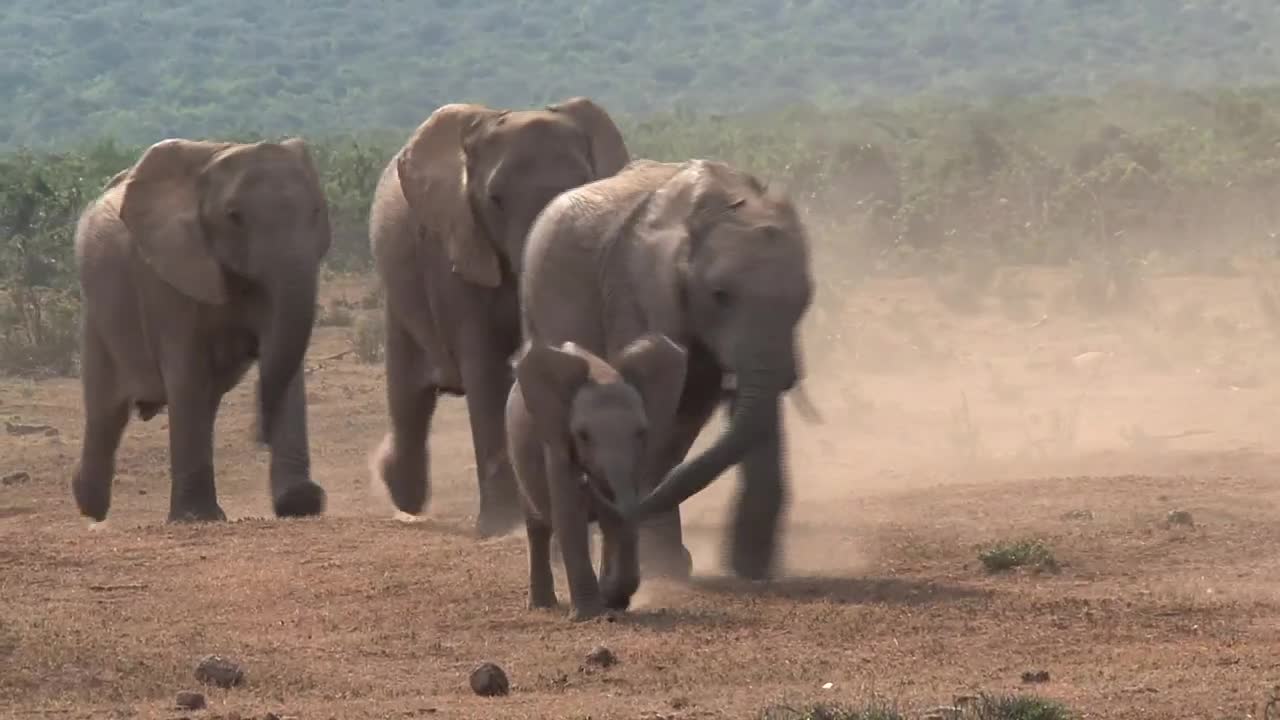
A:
(620, 567)
(542, 587)
(193, 406)
(293, 492)
(105, 417)
(569, 518)
(762, 496)
(404, 463)
(662, 550)
(486, 373)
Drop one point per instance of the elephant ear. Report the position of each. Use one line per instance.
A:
(654, 365)
(608, 150)
(298, 147)
(549, 378)
(433, 177)
(161, 208)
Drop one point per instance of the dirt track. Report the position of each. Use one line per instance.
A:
(360, 616)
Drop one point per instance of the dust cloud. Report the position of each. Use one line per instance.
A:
(989, 371)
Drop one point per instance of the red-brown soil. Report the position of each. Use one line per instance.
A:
(358, 615)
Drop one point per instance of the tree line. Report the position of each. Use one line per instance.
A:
(923, 185)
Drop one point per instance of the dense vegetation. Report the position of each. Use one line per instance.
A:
(1137, 179)
(142, 69)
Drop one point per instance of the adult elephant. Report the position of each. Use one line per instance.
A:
(707, 255)
(447, 229)
(193, 263)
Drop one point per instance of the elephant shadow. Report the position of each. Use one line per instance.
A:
(844, 590)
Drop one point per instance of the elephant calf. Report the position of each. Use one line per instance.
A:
(577, 433)
(193, 263)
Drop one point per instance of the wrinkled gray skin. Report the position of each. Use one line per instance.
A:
(447, 229)
(577, 433)
(200, 259)
(706, 255)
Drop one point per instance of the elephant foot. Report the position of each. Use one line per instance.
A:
(752, 561)
(587, 610)
(498, 519)
(542, 601)
(406, 482)
(303, 499)
(210, 513)
(93, 500)
(618, 593)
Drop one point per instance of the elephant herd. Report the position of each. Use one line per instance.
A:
(593, 310)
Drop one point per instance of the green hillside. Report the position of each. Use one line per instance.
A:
(141, 69)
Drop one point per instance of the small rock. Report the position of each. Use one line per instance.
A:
(16, 478)
(188, 700)
(1039, 676)
(220, 671)
(1179, 517)
(601, 656)
(1078, 515)
(489, 680)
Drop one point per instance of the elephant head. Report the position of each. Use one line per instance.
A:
(475, 177)
(217, 220)
(604, 414)
(736, 279)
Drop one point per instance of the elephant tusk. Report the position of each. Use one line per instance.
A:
(804, 405)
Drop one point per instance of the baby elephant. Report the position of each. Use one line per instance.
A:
(577, 434)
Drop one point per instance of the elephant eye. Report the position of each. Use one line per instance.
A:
(495, 199)
(583, 436)
(721, 297)
(235, 217)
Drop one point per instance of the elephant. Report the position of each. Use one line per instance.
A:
(447, 228)
(577, 431)
(707, 255)
(196, 261)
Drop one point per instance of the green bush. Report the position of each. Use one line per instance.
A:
(1110, 186)
(1015, 707)
(1004, 556)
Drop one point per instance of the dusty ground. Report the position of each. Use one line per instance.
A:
(360, 616)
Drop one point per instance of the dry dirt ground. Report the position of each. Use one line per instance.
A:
(944, 430)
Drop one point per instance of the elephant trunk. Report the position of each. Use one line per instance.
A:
(284, 341)
(755, 413)
(620, 478)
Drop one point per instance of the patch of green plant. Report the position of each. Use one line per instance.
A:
(39, 332)
(1014, 707)
(1006, 556)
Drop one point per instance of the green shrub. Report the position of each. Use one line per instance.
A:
(1021, 553)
